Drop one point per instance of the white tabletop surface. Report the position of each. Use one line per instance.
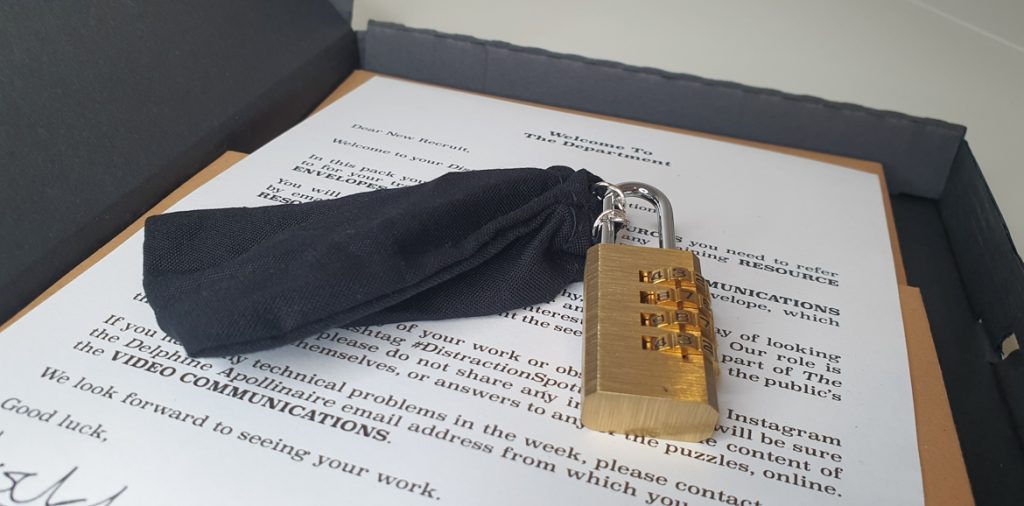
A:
(957, 60)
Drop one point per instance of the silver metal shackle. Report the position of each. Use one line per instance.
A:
(614, 211)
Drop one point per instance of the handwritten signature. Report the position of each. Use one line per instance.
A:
(17, 487)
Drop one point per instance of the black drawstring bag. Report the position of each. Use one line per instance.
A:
(228, 281)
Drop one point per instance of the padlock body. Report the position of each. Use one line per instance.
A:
(649, 359)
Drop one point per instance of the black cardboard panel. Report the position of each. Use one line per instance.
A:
(1011, 380)
(990, 444)
(1011, 375)
(991, 267)
(916, 152)
(106, 107)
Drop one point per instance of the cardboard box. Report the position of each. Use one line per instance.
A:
(280, 62)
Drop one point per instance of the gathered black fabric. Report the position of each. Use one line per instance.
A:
(227, 281)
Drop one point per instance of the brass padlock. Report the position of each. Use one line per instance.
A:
(649, 356)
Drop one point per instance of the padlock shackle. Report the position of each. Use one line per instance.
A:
(614, 204)
(663, 208)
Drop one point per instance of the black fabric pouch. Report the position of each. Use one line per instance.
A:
(228, 281)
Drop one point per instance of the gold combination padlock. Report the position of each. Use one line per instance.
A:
(649, 356)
